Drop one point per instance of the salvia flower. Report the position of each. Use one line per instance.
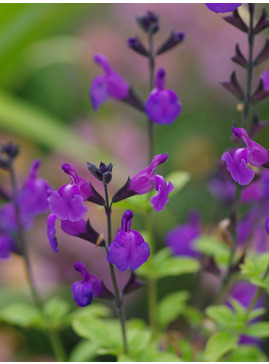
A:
(160, 200)
(90, 286)
(182, 238)
(222, 7)
(253, 154)
(128, 250)
(163, 105)
(67, 202)
(111, 84)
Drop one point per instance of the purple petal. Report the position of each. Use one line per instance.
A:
(51, 220)
(160, 200)
(265, 78)
(222, 7)
(267, 225)
(4, 246)
(82, 293)
(74, 228)
(95, 284)
(160, 79)
(252, 193)
(80, 267)
(117, 87)
(67, 203)
(126, 220)
(163, 106)
(98, 92)
(102, 61)
(237, 166)
(128, 250)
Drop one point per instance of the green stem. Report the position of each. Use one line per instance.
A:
(250, 66)
(118, 297)
(151, 80)
(53, 336)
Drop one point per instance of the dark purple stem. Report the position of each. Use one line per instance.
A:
(151, 81)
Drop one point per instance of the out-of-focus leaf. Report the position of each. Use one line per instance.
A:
(258, 329)
(137, 203)
(171, 307)
(247, 353)
(221, 314)
(211, 246)
(21, 314)
(254, 268)
(219, 344)
(179, 180)
(24, 120)
(93, 310)
(84, 351)
(56, 310)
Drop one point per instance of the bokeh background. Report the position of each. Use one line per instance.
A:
(46, 68)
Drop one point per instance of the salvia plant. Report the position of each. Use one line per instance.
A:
(227, 324)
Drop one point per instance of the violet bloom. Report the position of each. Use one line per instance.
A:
(163, 105)
(128, 250)
(222, 7)
(257, 190)
(265, 79)
(160, 200)
(181, 239)
(90, 286)
(110, 84)
(67, 203)
(253, 154)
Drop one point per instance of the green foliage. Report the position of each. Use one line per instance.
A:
(171, 306)
(85, 350)
(219, 344)
(163, 264)
(247, 353)
(258, 329)
(186, 350)
(56, 310)
(212, 246)
(179, 180)
(254, 269)
(22, 314)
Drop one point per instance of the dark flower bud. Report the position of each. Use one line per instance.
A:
(263, 55)
(103, 173)
(106, 294)
(171, 42)
(10, 149)
(211, 267)
(95, 171)
(96, 197)
(236, 21)
(234, 87)
(239, 58)
(260, 93)
(133, 100)
(133, 284)
(90, 235)
(136, 45)
(263, 22)
(123, 192)
(149, 22)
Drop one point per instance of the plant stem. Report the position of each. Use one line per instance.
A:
(151, 79)
(118, 297)
(250, 66)
(257, 295)
(53, 336)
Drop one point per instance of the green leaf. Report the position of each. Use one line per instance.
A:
(93, 310)
(179, 180)
(138, 340)
(247, 353)
(175, 266)
(186, 350)
(222, 315)
(171, 307)
(25, 120)
(21, 314)
(211, 246)
(259, 329)
(219, 344)
(56, 310)
(83, 351)
(254, 268)
(138, 203)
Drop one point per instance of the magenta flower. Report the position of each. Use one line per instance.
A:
(90, 286)
(128, 250)
(265, 79)
(223, 7)
(110, 84)
(181, 239)
(160, 200)
(67, 203)
(257, 190)
(163, 105)
(253, 154)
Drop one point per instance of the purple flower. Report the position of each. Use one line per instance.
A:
(128, 250)
(223, 7)
(257, 190)
(253, 154)
(109, 85)
(265, 79)
(221, 187)
(160, 200)
(67, 203)
(90, 286)
(181, 239)
(7, 245)
(162, 106)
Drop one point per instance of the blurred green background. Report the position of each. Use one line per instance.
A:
(46, 69)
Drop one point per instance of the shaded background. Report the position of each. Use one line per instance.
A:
(46, 69)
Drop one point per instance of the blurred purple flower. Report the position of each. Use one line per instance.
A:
(253, 154)
(67, 203)
(221, 187)
(222, 7)
(181, 239)
(128, 250)
(110, 84)
(265, 79)
(90, 286)
(163, 105)
(31, 200)
(257, 190)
